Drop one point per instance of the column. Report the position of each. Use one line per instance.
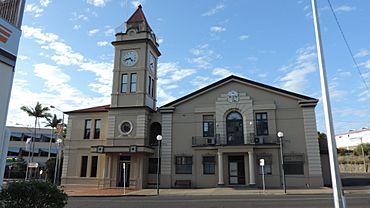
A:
(220, 168)
(252, 180)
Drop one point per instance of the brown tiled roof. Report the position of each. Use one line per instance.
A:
(137, 16)
(102, 108)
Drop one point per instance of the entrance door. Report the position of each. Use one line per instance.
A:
(236, 170)
(124, 171)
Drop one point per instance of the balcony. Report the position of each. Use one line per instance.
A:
(218, 140)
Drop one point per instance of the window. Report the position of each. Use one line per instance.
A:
(234, 128)
(184, 164)
(97, 129)
(152, 88)
(261, 124)
(87, 129)
(293, 164)
(153, 164)
(209, 164)
(83, 166)
(94, 166)
(293, 168)
(149, 85)
(125, 127)
(208, 126)
(124, 83)
(133, 81)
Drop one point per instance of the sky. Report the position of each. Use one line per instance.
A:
(65, 55)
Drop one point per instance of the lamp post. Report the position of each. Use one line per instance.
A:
(57, 161)
(363, 154)
(52, 106)
(281, 135)
(159, 139)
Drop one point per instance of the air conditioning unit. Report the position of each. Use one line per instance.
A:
(258, 140)
(211, 141)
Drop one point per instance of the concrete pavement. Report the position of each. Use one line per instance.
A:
(95, 192)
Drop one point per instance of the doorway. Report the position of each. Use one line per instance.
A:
(124, 171)
(236, 170)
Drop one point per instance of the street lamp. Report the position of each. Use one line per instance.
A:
(281, 135)
(52, 106)
(57, 160)
(159, 139)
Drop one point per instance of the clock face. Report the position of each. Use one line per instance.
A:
(151, 62)
(130, 58)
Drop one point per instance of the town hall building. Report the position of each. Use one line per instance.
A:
(212, 137)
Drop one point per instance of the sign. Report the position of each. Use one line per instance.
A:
(33, 165)
(262, 162)
(9, 37)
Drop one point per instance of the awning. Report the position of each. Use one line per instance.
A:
(36, 150)
(16, 134)
(14, 149)
(52, 150)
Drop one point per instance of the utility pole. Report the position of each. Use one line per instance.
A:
(339, 200)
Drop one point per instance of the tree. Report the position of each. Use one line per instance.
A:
(38, 112)
(53, 123)
(358, 149)
(32, 194)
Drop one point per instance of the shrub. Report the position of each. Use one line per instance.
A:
(32, 194)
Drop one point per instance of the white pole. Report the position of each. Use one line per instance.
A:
(263, 179)
(339, 200)
(124, 178)
(4, 144)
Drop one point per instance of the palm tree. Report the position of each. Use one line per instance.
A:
(38, 112)
(53, 123)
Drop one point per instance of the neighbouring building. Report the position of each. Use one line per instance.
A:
(212, 137)
(11, 14)
(353, 138)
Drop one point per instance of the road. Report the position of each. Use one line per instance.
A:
(260, 201)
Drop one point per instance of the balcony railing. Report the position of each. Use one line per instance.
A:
(252, 139)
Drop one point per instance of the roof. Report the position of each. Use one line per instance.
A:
(237, 78)
(137, 16)
(354, 131)
(102, 108)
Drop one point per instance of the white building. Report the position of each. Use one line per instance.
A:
(352, 138)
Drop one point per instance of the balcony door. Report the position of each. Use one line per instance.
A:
(234, 128)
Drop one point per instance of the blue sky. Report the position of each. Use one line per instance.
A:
(65, 57)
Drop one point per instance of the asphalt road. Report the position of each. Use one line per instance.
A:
(260, 201)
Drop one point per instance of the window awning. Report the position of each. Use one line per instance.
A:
(36, 150)
(14, 149)
(52, 150)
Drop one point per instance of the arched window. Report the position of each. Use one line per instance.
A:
(155, 130)
(234, 128)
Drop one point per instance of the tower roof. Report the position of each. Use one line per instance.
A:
(137, 16)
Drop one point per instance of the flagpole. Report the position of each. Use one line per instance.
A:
(339, 200)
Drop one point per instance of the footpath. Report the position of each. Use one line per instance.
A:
(120, 192)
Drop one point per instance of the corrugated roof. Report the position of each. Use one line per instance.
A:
(102, 108)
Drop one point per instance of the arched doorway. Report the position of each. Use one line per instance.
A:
(234, 128)
(155, 130)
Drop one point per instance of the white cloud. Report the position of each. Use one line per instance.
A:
(76, 27)
(23, 57)
(98, 3)
(36, 33)
(305, 64)
(362, 53)
(217, 29)
(64, 54)
(221, 72)
(103, 75)
(219, 7)
(102, 43)
(34, 10)
(201, 81)
(136, 3)
(93, 32)
(53, 75)
(203, 56)
(243, 37)
(110, 31)
(252, 58)
(160, 40)
(344, 8)
(169, 74)
(45, 3)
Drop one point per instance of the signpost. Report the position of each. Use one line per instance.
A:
(262, 164)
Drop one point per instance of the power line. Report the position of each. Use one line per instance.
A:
(348, 47)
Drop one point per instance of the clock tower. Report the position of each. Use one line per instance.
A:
(135, 65)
